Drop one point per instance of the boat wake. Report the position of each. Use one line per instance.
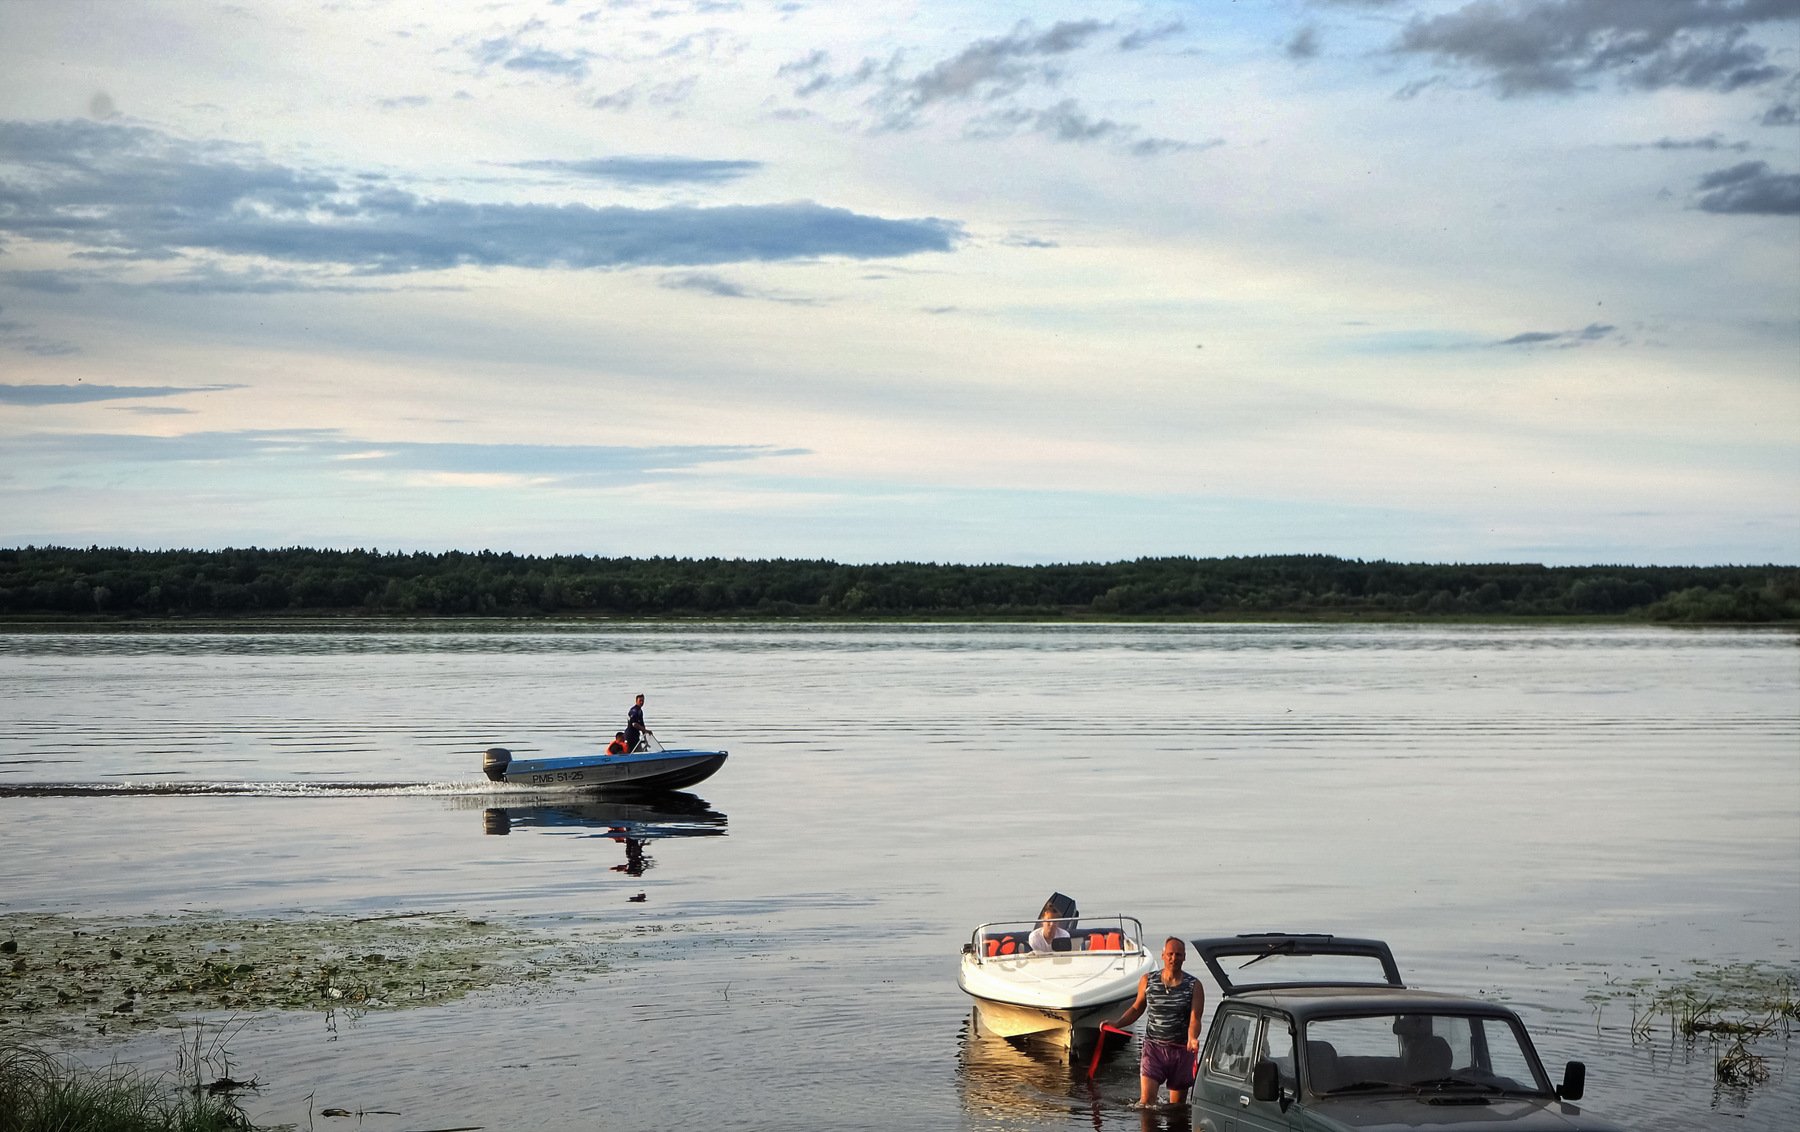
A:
(249, 789)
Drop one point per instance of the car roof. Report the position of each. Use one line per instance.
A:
(1304, 1004)
(1301, 957)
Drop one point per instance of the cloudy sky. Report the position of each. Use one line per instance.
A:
(1467, 280)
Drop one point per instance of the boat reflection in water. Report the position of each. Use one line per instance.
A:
(633, 823)
(1008, 1080)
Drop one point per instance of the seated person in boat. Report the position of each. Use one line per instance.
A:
(618, 746)
(1044, 936)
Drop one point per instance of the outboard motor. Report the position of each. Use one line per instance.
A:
(1059, 906)
(494, 763)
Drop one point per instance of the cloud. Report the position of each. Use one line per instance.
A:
(805, 65)
(1709, 142)
(510, 54)
(134, 192)
(1535, 46)
(208, 279)
(32, 344)
(1780, 114)
(1751, 187)
(538, 59)
(1561, 339)
(989, 74)
(1068, 122)
(81, 393)
(987, 69)
(705, 282)
(648, 170)
(708, 283)
(47, 282)
(331, 450)
(1304, 44)
(16, 335)
(664, 94)
(1144, 37)
(405, 102)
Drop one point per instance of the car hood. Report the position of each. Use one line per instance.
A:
(1444, 1113)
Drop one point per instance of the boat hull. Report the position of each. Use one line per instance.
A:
(1052, 997)
(1058, 1027)
(647, 770)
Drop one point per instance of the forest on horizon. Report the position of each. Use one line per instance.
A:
(99, 582)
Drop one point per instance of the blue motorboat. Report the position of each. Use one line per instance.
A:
(650, 767)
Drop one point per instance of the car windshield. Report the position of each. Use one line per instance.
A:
(1419, 1052)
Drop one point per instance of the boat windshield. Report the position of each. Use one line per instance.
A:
(1011, 939)
(1420, 1052)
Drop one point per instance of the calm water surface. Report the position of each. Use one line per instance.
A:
(1526, 814)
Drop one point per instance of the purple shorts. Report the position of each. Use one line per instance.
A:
(1168, 1063)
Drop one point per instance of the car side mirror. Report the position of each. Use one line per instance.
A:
(1574, 1082)
(1265, 1080)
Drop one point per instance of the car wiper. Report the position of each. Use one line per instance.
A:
(1284, 948)
(1362, 1087)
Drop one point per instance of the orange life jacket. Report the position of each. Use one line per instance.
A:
(617, 747)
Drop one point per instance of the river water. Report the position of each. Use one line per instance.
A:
(1530, 814)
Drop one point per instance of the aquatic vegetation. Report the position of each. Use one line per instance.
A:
(1732, 1005)
(61, 974)
(41, 1093)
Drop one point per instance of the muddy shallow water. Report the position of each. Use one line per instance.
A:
(1535, 815)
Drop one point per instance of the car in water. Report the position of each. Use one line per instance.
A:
(1317, 1033)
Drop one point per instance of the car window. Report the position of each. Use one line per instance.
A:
(1277, 1044)
(1505, 1059)
(1231, 1049)
(1358, 1037)
(1406, 1050)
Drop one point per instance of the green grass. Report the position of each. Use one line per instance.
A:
(39, 1093)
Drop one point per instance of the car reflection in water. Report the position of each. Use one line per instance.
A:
(1006, 1080)
(632, 823)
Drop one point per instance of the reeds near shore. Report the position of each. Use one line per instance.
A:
(40, 1093)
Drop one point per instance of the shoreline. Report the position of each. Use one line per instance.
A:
(355, 621)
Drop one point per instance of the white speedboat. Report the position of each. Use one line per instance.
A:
(650, 767)
(1054, 996)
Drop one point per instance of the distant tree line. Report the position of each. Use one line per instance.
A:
(65, 581)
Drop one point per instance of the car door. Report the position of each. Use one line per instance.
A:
(1239, 1039)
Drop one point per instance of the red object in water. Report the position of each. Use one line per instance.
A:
(1100, 1044)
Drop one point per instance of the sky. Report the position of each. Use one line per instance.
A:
(921, 280)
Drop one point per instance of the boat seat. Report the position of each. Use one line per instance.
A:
(1000, 944)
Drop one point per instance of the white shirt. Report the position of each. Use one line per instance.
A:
(1040, 940)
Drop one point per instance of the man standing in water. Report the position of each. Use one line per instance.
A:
(634, 724)
(1175, 1000)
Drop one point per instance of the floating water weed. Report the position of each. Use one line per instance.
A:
(105, 976)
(1731, 1005)
(1747, 999)
(1740, 1067)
